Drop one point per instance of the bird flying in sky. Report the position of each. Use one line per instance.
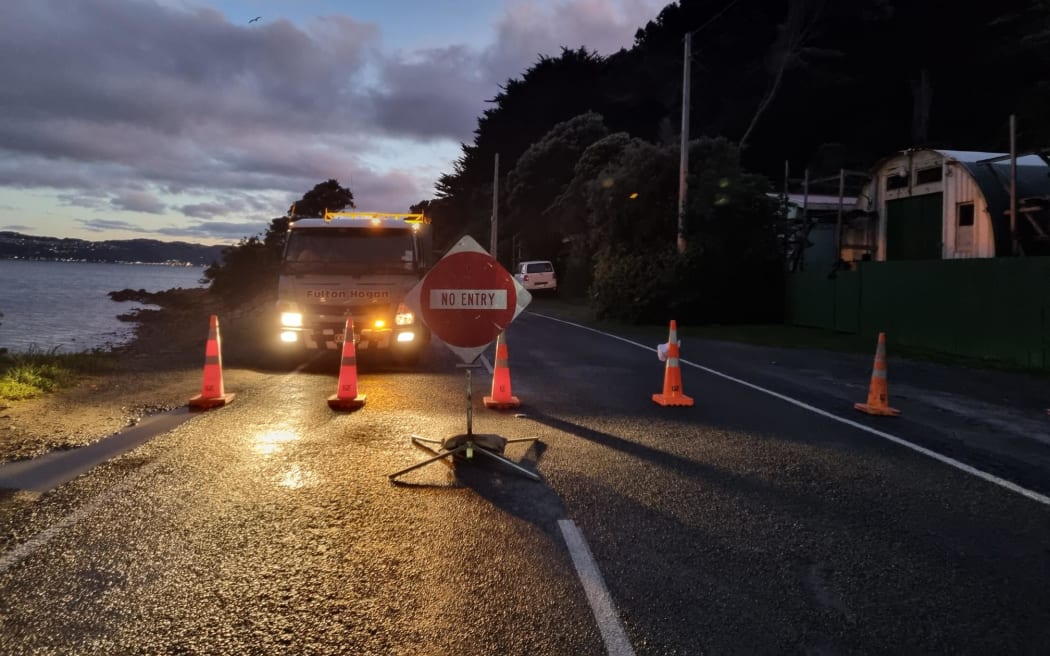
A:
(255, 19)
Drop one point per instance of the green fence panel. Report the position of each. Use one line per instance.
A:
(847, 301)
(997, 310)
(811, 300)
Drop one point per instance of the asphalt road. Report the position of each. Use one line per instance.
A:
(744, 524)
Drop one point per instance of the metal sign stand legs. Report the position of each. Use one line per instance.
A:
(469, 443)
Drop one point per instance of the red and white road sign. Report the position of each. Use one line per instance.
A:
(467, 299)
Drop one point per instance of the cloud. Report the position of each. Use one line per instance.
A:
(182, 98)
(103, 225)
(17, 227)
(221, 230)
(120, 105)
(137, 201)
(440, 92)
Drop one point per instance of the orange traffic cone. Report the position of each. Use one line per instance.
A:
(213, 393)
(346, 396)
(501, 396)
(878, 392)
(672, 394)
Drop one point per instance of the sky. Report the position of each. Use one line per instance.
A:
(188, 120)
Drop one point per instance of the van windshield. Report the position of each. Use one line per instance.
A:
(375, 250)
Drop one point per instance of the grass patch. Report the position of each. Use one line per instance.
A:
(35, 372)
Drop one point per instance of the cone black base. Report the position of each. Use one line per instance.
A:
(200, 403)
(336, 403)
(502, 404)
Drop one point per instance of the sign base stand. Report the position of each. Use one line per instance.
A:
(465, 445)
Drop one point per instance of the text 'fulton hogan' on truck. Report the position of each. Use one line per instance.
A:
(359, 265)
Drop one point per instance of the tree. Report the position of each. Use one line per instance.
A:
(553, 89)
(540, 176)
(792, 43)
(731, 271)
(328, 195)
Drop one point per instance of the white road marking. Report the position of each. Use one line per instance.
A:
(613, 635)
(951, 462)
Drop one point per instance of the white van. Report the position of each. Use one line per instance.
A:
(536, 274)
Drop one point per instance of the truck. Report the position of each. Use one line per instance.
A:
(359, 265)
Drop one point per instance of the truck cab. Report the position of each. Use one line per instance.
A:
(359, 265)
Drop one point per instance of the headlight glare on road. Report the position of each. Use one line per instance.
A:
(292, 319)
(288, 336)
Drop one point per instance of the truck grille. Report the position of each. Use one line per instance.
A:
(334, 314)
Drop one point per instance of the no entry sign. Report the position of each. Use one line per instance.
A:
(467, 299)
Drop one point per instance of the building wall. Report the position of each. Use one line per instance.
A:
(961, 189)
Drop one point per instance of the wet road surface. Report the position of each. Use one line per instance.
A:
(741, 525)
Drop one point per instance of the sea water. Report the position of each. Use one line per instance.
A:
(65, 306)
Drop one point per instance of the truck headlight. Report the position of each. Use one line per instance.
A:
(292, 319)
(406, 337)
(404, 316)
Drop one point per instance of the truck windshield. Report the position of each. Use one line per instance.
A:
(374, 249)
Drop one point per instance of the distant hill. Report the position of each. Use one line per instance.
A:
(14, 245)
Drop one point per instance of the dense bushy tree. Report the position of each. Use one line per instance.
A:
(552, 90)
(541, 175)
(328, 195)
(731, 271)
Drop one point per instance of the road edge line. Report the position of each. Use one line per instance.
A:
(951, 462)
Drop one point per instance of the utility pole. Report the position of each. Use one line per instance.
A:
(494, 244)
(1014, 245)
(683, 164)
(838, 220)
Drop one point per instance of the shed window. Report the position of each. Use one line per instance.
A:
(926, 176)
(896, 182)
(964, 230)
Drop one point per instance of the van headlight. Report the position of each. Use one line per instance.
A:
(292, 319)
(404, 316)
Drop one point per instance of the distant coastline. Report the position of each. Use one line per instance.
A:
(18, 246)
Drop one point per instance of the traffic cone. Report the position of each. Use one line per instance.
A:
(213, 393)
(501, 396)
(878, 392)
(672, 394)
(346, 396)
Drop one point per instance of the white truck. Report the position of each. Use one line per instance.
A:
(359, 265)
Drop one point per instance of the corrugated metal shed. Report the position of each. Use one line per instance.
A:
(993, 179)
(976, 180)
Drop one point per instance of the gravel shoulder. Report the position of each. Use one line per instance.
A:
(158, 370)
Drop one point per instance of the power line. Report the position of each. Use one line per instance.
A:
(715, 17)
